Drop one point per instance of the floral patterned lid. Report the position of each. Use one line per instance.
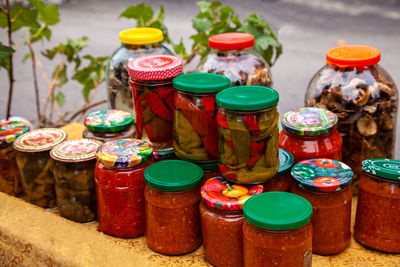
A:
(75, 150)
(39, 140)
(322, 175)
(385, 168)
(124, 153)
(109, 120)
(9, 130)
(155, 67)
(309, 121)
(222, 194)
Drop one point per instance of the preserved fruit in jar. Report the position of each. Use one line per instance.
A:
(282, 180)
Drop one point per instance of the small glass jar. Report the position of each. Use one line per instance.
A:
(36, 166)
(195, 127)
(277, 230)
(153, 97)
(378, 205)
(74, 164)
(282, 180)
(165, 154)
(310, 133)
(326, 184)
(172, 196)
(232, 55)
(120, 186)
(10, 181)
(110, 124)
(248, 133)
(135, 42)
(210, 170)
(222, 220)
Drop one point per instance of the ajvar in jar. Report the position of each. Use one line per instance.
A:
(164, 154)
(120, 186)
(326, 184)
(172, 197)
(210, 170)
(282, 180)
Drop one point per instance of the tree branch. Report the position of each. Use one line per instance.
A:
(11, 67)
(35, 82)
(84, 109)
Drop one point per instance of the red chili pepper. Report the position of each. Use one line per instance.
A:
(253, 160)
(222, 122)
(139, 115)
(209, 105)
(256, 148)
(158, 107)
(170, 101)
(229, 143)
(225, 169)
(165, 93)
(252, 124)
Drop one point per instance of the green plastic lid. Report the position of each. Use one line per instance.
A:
(286, 161)
(209, 165)
(247, 97)
(277, 211)
(201, 82)
(385, 168)
(173, 175)
(109, 120)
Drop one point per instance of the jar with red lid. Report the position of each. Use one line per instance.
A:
(310, 133)
(378, 205)
(172, 196)
(282, 180)
(232, 55)
(210, 170)
(221, 212)
(153, 97)
(326, 184)
(120, 186)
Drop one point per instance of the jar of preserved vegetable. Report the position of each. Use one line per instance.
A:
(282, 180)
(164, 154)
(110, 124)
(74, 163)
(232, 55)
(222, 220)
(378, 206)
(172, 197)
(325, 183)
(365, 98)
(153, 97)
(310, 133)
(195, 127)
(120, 186)
(210, 170)
(135, 42)
(248, 133)
(10, 181)
(36, 166)
(277, 230)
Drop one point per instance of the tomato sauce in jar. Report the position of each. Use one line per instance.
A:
(282, 180)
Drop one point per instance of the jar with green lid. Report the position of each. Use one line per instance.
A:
(248, 133)
(172, 196)
(277, 230)
(195, 127)
(282, 180)
(210, 170)
(135, 42)
(165, 154)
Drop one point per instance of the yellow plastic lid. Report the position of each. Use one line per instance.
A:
(141, 36)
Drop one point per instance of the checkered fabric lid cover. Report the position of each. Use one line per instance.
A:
(155, 67)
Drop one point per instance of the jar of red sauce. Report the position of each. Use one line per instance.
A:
(282, 180)
(326, 184)
(172, 196)
(221, 213)
(378, 206)
(310, 133)
(210, 170)
(277, 230)
(120, 186)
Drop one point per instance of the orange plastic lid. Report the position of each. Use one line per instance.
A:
(353, 56)
(231, 41)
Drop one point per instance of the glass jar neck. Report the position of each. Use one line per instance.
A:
(331, 131)
(245, 112)
(140, 46)
(381, 179)
(232, 213)
(152, 82)
(234, 51)
(352, 68)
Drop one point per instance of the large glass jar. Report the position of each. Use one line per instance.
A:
(36, 166)
(365, 98)
(221, 213)
(325, 183)
(248, 133)
(282, 180)
(277, 230)
(195, 127)
(378, 206)
(134, 43)
(232, 55)
(74, 164)
(172, 196)
(153, 96)
(119, 177)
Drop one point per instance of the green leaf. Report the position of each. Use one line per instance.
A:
(26, 57)
(143, 13)
(47, 14)
(23, 17)
(201, 25)
(179, 49)
(5, 53)
(60, 98)
(62, 76)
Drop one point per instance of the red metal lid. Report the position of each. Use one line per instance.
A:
(155, 67)
(231, 41)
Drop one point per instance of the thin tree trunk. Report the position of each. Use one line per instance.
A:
(35, 83)
(10, 70)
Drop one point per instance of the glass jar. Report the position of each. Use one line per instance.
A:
(120, 186)
(282, 180)
(248, 133)
(310, 133)
(135, 42)
(74, 164)
(222, 220)
(378, 206)
(232, 55)
(164, 154)
(153, 97)
(210, 170)
(365, 98)
(325, 183)
(36, 166)
(110, 124)
(195, 127)
(277, 230)
(172, 196)
(10, 181)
